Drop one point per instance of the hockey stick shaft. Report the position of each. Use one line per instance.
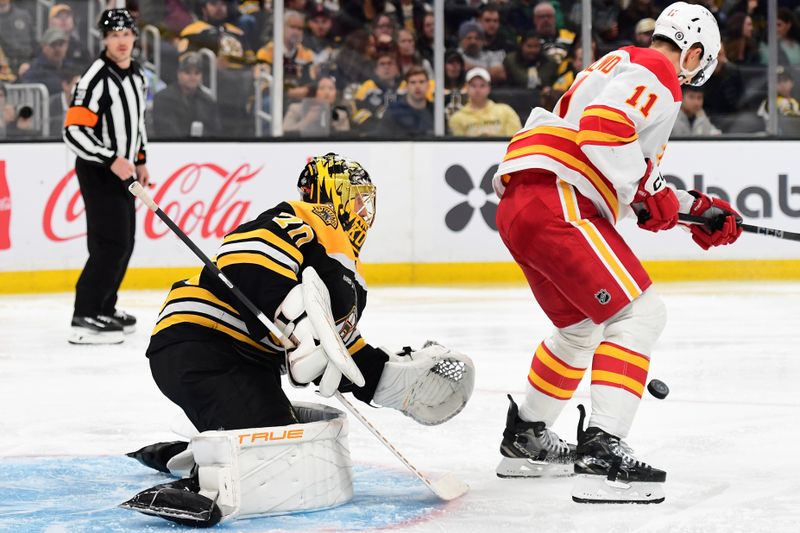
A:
(137, 190)
(748, 228)
(444, 492)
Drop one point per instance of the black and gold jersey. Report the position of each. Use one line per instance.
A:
(265, 259)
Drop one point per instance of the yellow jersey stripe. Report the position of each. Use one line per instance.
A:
(255, 259)
(356, 346)
(198, 293)
(183, 318)
(615, 116)
(596, 136)
(616, 267)
(268, 236)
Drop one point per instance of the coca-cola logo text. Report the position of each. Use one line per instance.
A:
(180, 197)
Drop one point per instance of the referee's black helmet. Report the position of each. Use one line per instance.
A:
(116, 20)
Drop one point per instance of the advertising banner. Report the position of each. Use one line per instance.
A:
(435, 203)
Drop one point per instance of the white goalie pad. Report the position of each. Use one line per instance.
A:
(277, 470)
(317, 301)
(431, 385)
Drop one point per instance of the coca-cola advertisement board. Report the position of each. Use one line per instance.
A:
(207, 189)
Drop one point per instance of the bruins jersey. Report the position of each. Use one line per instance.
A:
(265, 258)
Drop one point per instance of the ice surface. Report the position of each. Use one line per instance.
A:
(726, 435)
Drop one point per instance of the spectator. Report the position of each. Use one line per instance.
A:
(555, 43)
(455, 85)
(170, 16)
(376, 93)
(183, 109)
(384, 29)
(574, 66)
(425, 37)
(6, 74)
(788, 37)
(318, 37)
(356, 60)
(527, 67)
(496, 36)
(643, 33)
(16, 36)
(411, 115)
(756, 11)
(320, 115)
(692, 120)
(6, 111)
(22, 127)
(740, 46)
(409, 14)
(407, 54)
(631, 16)
(787, 104)
(355, 15)
(297, 59)
(471, 40)
(234, 80)
(60, 102)
(482, 117)
(724, 90)
(47, 66)
(61, 17)
(213, 32)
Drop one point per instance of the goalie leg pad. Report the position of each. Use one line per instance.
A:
(599, 489)
(277, 470)
(431, 385)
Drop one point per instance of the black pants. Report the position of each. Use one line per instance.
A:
(110, 231)
(219, 389)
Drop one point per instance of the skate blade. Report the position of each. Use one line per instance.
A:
(598, 489)
(87, 336)
(517, 467)
(127, 330)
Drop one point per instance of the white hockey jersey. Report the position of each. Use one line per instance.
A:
(619, 111)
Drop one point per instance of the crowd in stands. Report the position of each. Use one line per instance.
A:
(365, 67)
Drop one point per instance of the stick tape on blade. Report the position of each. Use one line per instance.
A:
(318, 308)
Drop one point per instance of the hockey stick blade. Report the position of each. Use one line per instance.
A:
(747, 228)
(447, 487)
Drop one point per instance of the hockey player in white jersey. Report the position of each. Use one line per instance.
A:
(567, 177)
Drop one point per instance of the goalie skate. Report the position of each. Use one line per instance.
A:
(608, 472)
(529, 449)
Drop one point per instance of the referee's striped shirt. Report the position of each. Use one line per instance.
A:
(106, 118)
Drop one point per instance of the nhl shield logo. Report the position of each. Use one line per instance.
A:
(603, 296)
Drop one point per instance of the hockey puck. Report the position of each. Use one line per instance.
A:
(658, 388)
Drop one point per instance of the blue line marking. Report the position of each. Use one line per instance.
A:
(72, 494)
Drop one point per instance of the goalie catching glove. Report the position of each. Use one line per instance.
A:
(723, 223)
(431, 385)
(305, 315)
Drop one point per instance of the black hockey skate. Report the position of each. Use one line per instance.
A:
(96, 330)
(608, 472)
(529, 449)
(128, 322)
(177, 501)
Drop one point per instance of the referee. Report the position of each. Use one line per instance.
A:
(104, 126)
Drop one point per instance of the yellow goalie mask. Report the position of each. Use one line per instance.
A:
(344, 184)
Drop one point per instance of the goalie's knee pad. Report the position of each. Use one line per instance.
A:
(431, 385)
(276, 470)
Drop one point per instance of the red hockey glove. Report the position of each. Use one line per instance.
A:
(723, 224)
(654, 202)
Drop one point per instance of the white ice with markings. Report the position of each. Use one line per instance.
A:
(727, 434)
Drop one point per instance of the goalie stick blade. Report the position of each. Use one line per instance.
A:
(449, 487)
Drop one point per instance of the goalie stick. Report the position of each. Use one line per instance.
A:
(748, 228)
(448, 487)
